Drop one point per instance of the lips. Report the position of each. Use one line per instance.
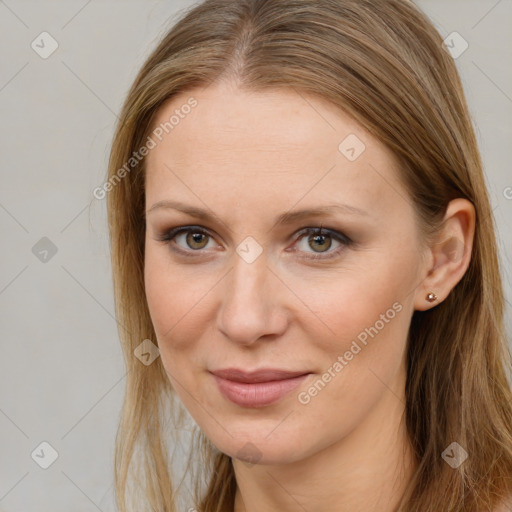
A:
(257, 388)
(264, 375)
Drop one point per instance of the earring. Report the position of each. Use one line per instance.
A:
(431, 297)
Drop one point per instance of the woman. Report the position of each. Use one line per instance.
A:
(259, 135)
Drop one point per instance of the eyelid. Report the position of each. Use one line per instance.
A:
(169, 235)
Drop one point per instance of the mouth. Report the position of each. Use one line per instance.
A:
(258, 388)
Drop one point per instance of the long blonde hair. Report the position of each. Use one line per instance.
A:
(383, 63)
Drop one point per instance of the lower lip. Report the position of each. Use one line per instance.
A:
(257, 394)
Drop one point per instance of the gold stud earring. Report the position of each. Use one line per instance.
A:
(431, 297)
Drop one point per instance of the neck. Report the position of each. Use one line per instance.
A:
(368, 470)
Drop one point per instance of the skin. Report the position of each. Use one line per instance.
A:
(247, 158)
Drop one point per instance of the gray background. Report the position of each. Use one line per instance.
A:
(61, 367)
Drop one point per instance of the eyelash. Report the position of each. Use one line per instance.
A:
(168, 237)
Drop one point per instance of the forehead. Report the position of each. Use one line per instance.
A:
(273, 147)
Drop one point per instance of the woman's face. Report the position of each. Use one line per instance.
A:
(235, 289)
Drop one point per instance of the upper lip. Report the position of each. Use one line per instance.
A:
(262, 375)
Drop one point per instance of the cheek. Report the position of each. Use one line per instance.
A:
(161, 301)
(363, 354)
(355, 303)
(177, 300)
(359, 332)
(170, 305)
(367, 347)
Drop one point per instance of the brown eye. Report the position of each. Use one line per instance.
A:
(196, 240)
(320, 242)
(185, 240)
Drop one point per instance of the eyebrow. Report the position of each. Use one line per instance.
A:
(285, 218)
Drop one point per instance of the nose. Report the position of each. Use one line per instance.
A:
(252, 302)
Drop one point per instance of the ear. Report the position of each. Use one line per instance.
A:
(449, 255)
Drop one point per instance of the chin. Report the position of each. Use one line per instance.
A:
(257, 448)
